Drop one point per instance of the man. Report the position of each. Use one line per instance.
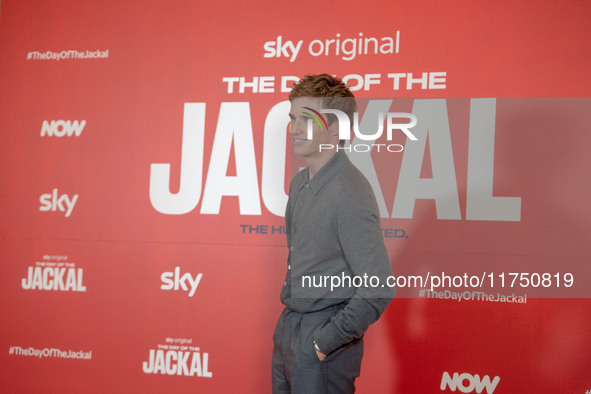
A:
(333, 231)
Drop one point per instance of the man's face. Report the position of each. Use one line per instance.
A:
(298, 129)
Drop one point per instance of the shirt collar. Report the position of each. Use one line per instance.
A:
(328, 170)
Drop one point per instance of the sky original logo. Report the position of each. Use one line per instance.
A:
(467, 383)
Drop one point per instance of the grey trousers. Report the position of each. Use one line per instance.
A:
(296, 368)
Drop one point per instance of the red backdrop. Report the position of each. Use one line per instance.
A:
(96, 97)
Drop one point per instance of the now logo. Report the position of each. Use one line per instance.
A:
(467, 383)
(62, 128)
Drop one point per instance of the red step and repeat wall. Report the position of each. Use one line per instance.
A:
(145, 163)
